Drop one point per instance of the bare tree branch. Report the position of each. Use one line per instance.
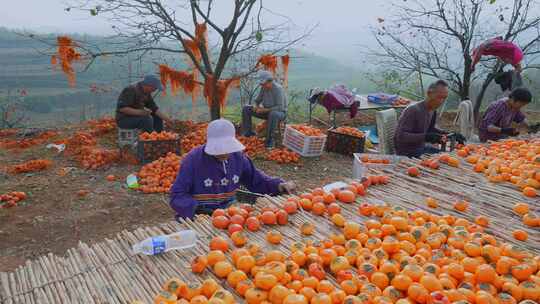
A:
(435, 38)
(155, 25)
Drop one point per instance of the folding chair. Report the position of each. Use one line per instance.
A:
(386, 128)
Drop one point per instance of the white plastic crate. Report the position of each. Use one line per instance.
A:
(307, 146)
(360, 168)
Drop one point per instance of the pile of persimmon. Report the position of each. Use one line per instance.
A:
(283, 156)
(254, 145)
(369, 160)
(102, 126)
(307, 130)
(514, 161)
(183, 127)
(350, 131)
(145, 136)
(78, 142)
(159, 175)
(180, 124)
(25, 143)
(193, 139)
(236, 218)
(95, 158)
(176, 291)
(8, 132)
(30, 166)
(396, 256)
(10, 199)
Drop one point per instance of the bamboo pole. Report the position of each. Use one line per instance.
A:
(109, 271)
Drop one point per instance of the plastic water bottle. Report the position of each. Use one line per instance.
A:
(163, 243)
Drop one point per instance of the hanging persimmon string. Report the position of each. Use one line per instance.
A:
(222, 89)
(268, 62)
(201, 38)
(65, 56)
(189, 83)
(179, 80)
(201, 34)
(285, 67)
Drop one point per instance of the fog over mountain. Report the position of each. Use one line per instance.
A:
(342, 26)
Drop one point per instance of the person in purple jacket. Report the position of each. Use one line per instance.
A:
(210, 174)
(416, 125)
(497, 120)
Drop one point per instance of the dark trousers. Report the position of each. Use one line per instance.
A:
(425, 150)
(272, 120)
(146, 123)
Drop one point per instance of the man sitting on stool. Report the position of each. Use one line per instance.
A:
(136, 108)
(271, 104)
(417, 124)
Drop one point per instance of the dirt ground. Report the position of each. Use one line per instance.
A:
(53, 218)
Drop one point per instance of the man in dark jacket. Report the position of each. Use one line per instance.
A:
(417, 124)
(136, 108)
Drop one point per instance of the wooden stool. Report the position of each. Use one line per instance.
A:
(278, 133)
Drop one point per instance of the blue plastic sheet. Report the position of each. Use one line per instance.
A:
(382, 98)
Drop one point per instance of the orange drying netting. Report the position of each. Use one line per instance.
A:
(269, 62)
(223, 86)
(285, 66)
(66, 54)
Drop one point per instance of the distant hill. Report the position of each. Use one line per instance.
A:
(25, 65)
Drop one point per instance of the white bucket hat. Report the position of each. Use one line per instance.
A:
(221, 138)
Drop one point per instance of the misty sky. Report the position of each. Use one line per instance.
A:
(343, 24)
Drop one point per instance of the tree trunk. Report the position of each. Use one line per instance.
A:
(467, 73)
(215, 108)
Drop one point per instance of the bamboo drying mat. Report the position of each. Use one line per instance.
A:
(108, 272)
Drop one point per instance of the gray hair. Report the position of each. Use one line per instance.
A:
(436, 84)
